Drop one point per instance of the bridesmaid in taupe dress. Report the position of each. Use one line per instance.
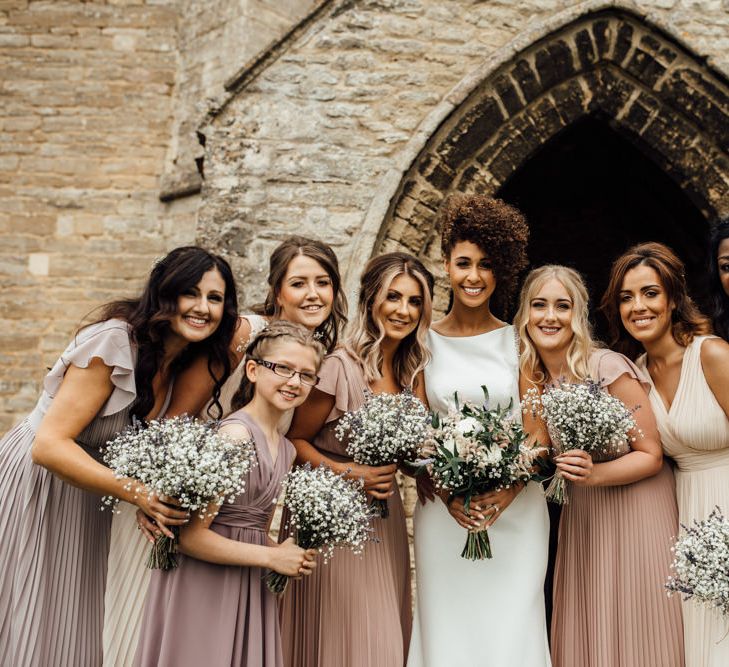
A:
(356, 610)
(55, 539)
(613, 556)
(215, 610)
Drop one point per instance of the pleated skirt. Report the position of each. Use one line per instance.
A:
(705, 630)
(53, 558)
(614, 554)
(353, 611)
(126, 588)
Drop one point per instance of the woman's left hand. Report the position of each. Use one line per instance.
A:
(576, 466)
(494, 503)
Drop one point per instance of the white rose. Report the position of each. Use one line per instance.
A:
(468, 425)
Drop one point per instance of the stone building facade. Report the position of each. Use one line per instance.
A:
(349, 120)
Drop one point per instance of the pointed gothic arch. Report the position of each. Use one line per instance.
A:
(601, 60)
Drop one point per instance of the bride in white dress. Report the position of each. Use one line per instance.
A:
(486, 613)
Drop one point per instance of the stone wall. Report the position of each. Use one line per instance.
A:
(321, 140)
(97, 99)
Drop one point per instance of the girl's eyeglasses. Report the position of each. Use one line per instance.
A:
(287, 372)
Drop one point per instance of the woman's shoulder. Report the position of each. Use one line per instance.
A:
(607, 365)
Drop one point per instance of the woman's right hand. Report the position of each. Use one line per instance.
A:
(291, 560)
(457, 509)
(378, 480)
(162, 510)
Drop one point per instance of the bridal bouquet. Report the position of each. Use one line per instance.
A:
(387, 428)
(701, 563)
(182, 458)
(582, 416)
(474, 450)
(327, 511)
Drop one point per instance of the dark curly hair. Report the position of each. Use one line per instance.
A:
(499, 230)
(719, 298)
(149, 315)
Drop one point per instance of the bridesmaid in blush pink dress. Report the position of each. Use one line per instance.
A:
(356, 610)
(215, 609)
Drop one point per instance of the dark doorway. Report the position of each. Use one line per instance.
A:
(589, 194)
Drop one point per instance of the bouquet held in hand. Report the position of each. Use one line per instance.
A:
(582, 416)
(182, 458)
(327, 511)
(386, 429)
(474, 450)
(701, 563)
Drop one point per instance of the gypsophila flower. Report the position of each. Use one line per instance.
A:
(326, 512)
(701, 563)
(474, 450)
(386, 429)
(183, 458)
(583, 416)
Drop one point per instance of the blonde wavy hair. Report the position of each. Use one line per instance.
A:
(582, 344)
(367, 333)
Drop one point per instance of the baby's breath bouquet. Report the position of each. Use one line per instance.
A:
(701, 563)
(387, 428)
(474, 450)
(584, 416)
(182, 458)
(326, 511)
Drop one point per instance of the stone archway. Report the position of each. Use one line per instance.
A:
(606, 63)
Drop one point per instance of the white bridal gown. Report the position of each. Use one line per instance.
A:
(487, 613)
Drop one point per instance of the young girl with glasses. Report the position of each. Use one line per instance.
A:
(215, 609)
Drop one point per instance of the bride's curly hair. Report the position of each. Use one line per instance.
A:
(499, 230)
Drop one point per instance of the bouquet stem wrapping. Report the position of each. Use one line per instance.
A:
(557, 490)
(478, 546)
(163, 555)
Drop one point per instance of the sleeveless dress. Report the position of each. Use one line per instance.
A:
(695, 434)
(355, 611)
(55, 538)
(128, 575)
(613, 558)
(487, 613)
(203, 614)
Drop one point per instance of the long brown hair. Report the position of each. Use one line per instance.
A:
(363, 341)
(264, 342)
(320, 252)
(149, 315)
(687, 319)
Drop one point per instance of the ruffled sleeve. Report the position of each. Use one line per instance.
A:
(110, 342)
(607, 366)
(337, 374)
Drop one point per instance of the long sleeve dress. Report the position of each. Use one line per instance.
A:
(354, 610)
(206, 615)
(55, 538)
(695, 434)
(613, 559)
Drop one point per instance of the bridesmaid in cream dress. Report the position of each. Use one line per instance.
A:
(690, 397)
(304, 287)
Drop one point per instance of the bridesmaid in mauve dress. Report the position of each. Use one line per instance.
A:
(215, 609)
(304, 287)
(356, 610)
(55, 539)
(613, 557)
(689, 392)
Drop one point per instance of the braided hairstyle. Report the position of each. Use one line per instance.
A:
(264, 343)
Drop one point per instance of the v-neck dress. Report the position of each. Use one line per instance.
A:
(354, 611)
(55, 538)
(210, 615)
(613, 559)
(695, 434)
